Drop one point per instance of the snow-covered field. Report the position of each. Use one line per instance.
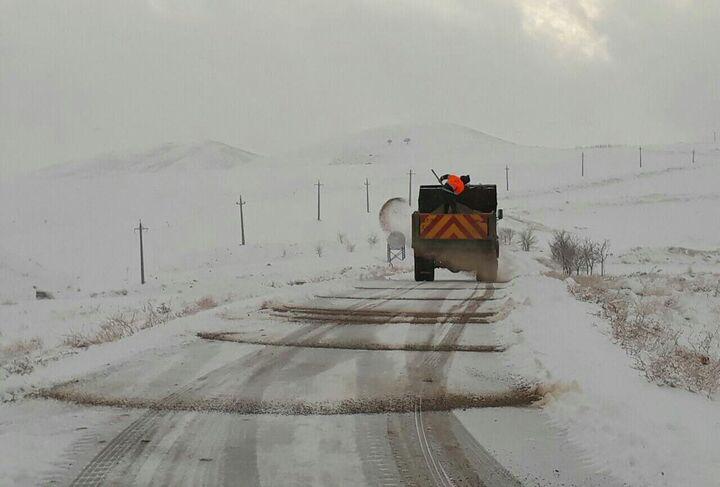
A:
(69, 231)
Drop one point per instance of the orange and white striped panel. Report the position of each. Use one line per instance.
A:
(454, 226)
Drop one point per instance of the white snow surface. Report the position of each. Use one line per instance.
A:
(68, 230)
(644, 434)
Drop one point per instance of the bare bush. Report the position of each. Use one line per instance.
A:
(349, 246)
(24, 346)
(123, 324)
(506, 235)
(527, 239)
(75, 339)
(603, 251)
(675, 365)
(342, 238)
(655, 348)
(19, 366)
(588, 255)
(206, 303)
(372, 239)
(564, 249)
(115, 328)
(574, 255)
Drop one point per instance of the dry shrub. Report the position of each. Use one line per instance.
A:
(121, 325)
(593, 281)
(506, 235)
(113, 328)
(206, 303)
(655, 348)
(655, 290)
(555, 275)
(75, 339)
(18, 366)
(188, 310)
(527, 239)
(575, 255)
(24, 347)
(202, 304)
(564, 250)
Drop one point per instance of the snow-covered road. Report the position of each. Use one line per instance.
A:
(367, 386)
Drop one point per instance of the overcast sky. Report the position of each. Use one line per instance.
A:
(83, 77)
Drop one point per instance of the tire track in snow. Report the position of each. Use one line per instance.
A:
(96, 471)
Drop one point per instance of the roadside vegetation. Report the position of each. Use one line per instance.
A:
(651, 325)
(575, 255)
(527, 239)
(15, 356)
(20, 357)
(124, 324)
(668, 324)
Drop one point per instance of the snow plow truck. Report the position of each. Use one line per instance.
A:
(465, 240)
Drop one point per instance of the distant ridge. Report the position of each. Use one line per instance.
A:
(207, 155)
(439, 144)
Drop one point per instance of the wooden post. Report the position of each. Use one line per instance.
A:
(318, 198)
(410, 187)
(507, 178)
(140, 229)
(367, 194)
(241, 203)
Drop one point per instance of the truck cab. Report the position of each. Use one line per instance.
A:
(463, 240)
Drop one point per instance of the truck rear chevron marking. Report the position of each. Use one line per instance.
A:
(453, 226)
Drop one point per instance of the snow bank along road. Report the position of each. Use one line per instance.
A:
(361, 387)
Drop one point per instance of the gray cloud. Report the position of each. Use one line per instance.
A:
(81, 77)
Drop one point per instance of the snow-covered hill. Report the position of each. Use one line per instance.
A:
(202, 156)
(439, 144)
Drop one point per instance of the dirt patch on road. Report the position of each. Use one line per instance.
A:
(407, 347)
(303, 314)
(390, 404)
(379, 313)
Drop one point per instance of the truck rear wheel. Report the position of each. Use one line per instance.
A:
(424, 269)
(488, 270)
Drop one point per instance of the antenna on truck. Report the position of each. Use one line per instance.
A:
(436, 176)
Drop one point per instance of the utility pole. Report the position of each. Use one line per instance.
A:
(640, 157)
(507, 178)
(141, 229)
(367, 194)
(318, 197)
(241, 203)
(693, 158)
(582, 164)
(410, 187)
